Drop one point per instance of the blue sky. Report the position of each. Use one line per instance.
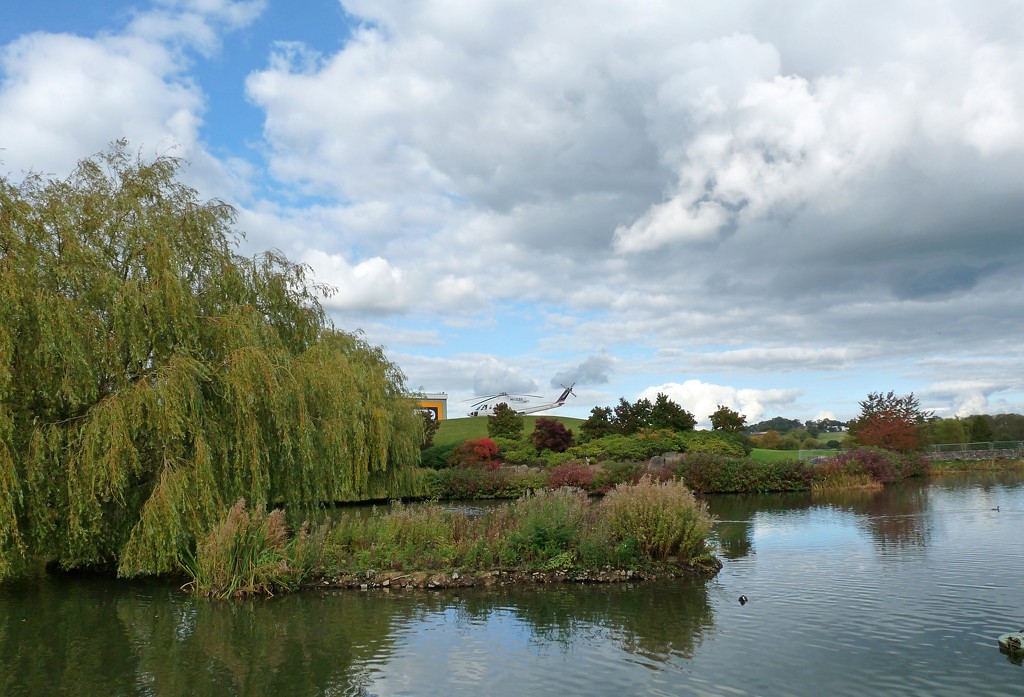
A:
(778, 207)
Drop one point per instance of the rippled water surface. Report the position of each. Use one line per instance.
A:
(898, 592)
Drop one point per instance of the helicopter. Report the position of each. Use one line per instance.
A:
(485, 406)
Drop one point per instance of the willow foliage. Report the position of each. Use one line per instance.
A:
(150, 376)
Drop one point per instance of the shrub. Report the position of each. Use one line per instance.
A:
(882, 466)
(913, 465)
(505, 423)
(877, 464)
(479, 452)
(436, 457)
(614, 472)
(718, 442)
(246, 554)
(548, 525)
(832, 473)
(549, 434)
(518, 452)
(466, 483)
(710, 472)
(615, 447)
(572, 473)
(662, 519)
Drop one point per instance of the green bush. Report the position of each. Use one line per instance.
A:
(548, 525)
(711, 472)
(716, 442)
(615, 472)
(519, 453)
(614, 447)
(663, 519)
(436, 457)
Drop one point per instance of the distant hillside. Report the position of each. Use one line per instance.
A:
(459, 430)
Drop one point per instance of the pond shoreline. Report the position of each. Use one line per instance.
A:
(441, 580)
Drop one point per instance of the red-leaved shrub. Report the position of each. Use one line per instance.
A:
(481, 452)
(571, 473)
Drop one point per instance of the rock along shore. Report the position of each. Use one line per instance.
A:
(488, 579)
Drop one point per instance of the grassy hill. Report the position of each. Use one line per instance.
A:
(459, 430)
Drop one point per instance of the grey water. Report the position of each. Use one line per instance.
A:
(896, 592)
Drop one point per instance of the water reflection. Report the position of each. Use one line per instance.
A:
(897, 592)
(893, 517)
(90, 636)
(735, 513)
(652, 620)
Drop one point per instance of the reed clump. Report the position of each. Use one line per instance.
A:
(662, 517)
(248, 553)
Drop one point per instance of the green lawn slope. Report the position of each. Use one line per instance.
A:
(459, 430)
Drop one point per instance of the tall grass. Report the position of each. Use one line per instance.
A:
(635, 527)
(662, 518)
(248, 553)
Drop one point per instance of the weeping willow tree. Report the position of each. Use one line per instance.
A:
(150, 376)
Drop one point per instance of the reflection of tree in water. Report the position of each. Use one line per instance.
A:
(302, 644)
(98, 637)
(735, 514)
(56, 639)
(893, 516)
(654, 620)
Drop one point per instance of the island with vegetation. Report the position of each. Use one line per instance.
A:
(170, 407)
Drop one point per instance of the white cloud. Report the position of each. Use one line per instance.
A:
(369, 285)
(702, 399)
(812, 189)
(64, 97)
(493, 376)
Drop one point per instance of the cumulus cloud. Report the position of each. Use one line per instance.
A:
(493, 376)
(64, 97)
(690, 129)
(595, 370)
(822, 188)
(702, 399)
(372, 284)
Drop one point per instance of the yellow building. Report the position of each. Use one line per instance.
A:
(436, 403)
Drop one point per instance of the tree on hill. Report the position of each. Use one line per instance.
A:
(1007, 426)
(770, 440)
(667, 414)
(938, 431)
(726, 419)
(550, 434)
(505, 422)
(598, 424)
(430, 426)
(890, 421)
(628, 418)
(778, 423)
(981, 429)
(632, 417)
(150, 376)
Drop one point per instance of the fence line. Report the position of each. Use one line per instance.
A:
(981, 445)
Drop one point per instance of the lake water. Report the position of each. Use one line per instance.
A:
(898, 592)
